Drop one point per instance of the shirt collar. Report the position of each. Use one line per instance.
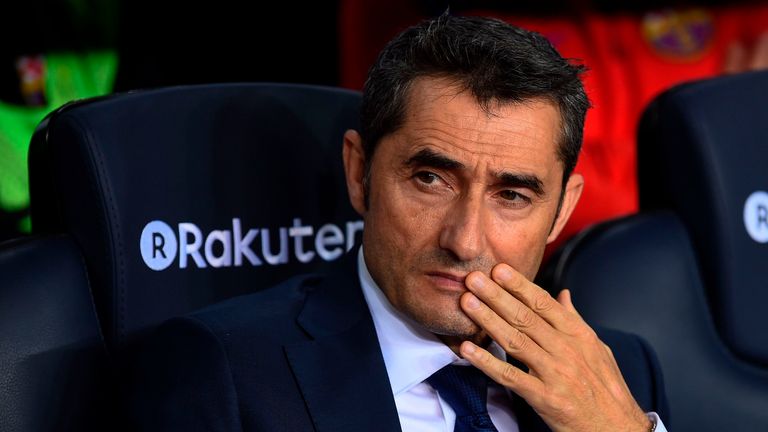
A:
(411, 352)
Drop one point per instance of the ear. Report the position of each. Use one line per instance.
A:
(573, 189)
(354, 168)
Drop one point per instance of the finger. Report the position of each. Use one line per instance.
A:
(535, 298)
(564, 298)
(511, 310)
(513, 341)
(525, 385)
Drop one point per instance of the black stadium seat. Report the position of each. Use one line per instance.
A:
(690, 272)
(54, 372)
(149, 205)
(181, 197)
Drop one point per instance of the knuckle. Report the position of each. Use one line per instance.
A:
(516, 342)
(524, 318)
(494, 295)
(542, 302)
(567, 408)
(558, 404)
(584, 332)
(486, 316)
(510, 374)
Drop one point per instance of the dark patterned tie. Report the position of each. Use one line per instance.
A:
(465, 388)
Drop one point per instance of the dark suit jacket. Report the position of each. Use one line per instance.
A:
(302, 356)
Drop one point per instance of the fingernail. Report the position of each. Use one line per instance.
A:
(504, 273)
(476, 282)
(472, 302)
(469, 348)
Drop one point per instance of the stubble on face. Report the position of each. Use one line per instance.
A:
(449, 321)
(403, 228)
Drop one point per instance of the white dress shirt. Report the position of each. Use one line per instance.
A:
(412, 354)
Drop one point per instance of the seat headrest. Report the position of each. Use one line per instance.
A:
(703, 152)
(183, 196)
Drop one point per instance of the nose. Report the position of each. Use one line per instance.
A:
(463, 233)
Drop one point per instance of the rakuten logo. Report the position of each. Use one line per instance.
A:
(160, 244)
(756, 216)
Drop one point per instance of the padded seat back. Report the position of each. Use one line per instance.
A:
(689, 272)
(181, 197)
(703, 153)
(640, 275)
(53, 362)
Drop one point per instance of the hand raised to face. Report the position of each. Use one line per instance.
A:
(573, 381)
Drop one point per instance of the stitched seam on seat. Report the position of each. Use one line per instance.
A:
(101, 184)
(84, 269)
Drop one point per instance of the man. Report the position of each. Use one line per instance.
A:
(462, 171)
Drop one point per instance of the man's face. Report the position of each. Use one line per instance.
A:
(456, 190)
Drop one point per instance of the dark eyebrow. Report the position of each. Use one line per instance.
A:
(522, 180)
(430, 158)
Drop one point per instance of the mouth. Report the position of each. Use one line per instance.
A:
(447, 281)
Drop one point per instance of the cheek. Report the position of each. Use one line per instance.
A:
(398, 218)
(410, 218)
(520, 242)
(398, 230)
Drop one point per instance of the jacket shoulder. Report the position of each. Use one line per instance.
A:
(213, 369)
(273, 308)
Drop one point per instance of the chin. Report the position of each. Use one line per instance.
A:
(452, 324)
(438, 311)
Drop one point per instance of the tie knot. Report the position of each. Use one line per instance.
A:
(465, 388)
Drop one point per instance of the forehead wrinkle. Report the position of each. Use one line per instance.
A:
(480, 127)
(446, 118)
(499, 144)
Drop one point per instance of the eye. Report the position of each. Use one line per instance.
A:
(430, 183)
(514, 199)
(427, 177)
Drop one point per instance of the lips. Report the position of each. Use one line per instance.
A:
(449, 281)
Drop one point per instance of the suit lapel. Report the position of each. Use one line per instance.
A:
(341, 371)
